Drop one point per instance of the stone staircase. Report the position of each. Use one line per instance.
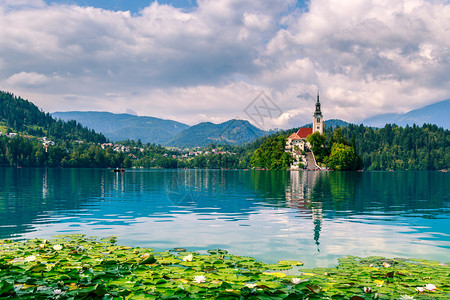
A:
(310, 161)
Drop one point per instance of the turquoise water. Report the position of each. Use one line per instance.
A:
(314, 217)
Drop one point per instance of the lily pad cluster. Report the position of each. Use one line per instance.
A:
(80, 267)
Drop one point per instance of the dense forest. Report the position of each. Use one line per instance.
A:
(401, 148)
(25, 152)
(72, 144)
(19, 115)
(271, 154)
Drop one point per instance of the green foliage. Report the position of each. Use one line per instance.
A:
(401, 148)
(271, 154)
(342, 158)
(338, 138)
(319, 146)
(76, 267)
(388, 148)
(24, 152)
(25, 117)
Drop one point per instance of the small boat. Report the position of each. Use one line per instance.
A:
(117, 170)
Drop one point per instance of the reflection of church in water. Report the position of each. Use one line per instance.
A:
(299, 197)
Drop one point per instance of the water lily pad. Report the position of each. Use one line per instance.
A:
(150, 259)
(314, 288)
(276, 274)
(217, 252)
(209, 269)
(37, 268)
(290, 262)
(81, 269)
(178, 250)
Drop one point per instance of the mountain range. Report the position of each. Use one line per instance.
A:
(118, 127)
(437, 113)
(232, 132)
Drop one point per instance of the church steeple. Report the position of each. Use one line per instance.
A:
(317, 112)
(317, 117)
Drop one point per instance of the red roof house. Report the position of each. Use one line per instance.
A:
(294, 136)
(304, 132)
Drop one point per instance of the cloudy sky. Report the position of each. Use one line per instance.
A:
(207, 60)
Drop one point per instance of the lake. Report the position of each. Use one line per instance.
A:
(314, 217)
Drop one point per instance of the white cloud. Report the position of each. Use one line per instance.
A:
(21, 3)
(367, 57)
(28, 79)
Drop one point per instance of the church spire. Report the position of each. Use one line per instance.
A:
(318, 112)
(317, 117)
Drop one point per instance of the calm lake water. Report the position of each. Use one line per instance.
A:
(314, 217)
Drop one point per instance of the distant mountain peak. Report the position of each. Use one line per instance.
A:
(436, 113)
(232, 132)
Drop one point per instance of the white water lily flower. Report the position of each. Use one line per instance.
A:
(367, 290)
(42, 246)
(189, 257)
(251, 285)
(296, 280)
(199, 278)
(30, 258)
(57, 247)
(386, 265)
(420, 289)
(430, 287)
(57, 292)
(406, 297)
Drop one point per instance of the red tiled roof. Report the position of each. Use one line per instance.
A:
(304, 132)
(294, 136)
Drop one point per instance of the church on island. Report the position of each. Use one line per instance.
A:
(299, 147)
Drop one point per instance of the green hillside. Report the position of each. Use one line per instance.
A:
(21, 116)
(67, 144)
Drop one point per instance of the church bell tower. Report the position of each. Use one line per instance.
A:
(318, 118)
